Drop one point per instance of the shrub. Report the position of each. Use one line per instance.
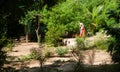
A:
(3, 41)
(80, 43)
(102, 44)
(27, 57)
(77, 51)
(77, 54)
(54, 33)
(8, 47)
(61, 51)
(48, 51)
(40, 55)
(6, 44)
(2, 58)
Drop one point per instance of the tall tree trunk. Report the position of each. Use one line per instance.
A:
(27, 35)
(37, 30)
(37, 34)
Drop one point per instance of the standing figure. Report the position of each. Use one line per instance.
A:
(81, 30)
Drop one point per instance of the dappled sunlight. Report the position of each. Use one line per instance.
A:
(65, 63)
(59, 36)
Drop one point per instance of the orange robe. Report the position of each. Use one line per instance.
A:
(82, 32)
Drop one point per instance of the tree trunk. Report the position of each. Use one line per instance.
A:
(37, 34)
(38, 27)
(27, 35)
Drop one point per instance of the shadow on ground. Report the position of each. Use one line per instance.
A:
(58, 66)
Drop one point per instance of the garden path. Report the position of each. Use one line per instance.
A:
(92, 57)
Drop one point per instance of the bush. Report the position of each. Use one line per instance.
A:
(80, 43)
(3, 41)
(6, 44)
(77, 51)
(78, 55)
(8, 47)
(102, 44)
(61, 51)
(27, 57)
(2, 58)
(54, 33)
(36, 54)
(39, 54)
(48, 51)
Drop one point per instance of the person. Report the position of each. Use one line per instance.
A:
(81, 30)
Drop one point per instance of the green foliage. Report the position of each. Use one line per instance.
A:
(66, 16)
(40, 55)
(3, 24)
(102, 44)
(2, 58)
(28, 17)
(111, 40)
(30, 23)
(8, 47)
(54, 33)
(3, 40)
(77, 54)
(27, 20)
(48, 51)
(6, 44)
(26, 57)
(96, 11)
(70, 13)
(80, 43)
(61, 51)
(59, 19)
(35, 54)
(77, 51)
(114, 47)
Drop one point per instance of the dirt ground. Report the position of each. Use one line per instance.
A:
(22, 49)
(92, 57)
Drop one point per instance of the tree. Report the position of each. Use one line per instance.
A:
(114, 30)
(58, 20)
(94, 14)
(27, 21)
